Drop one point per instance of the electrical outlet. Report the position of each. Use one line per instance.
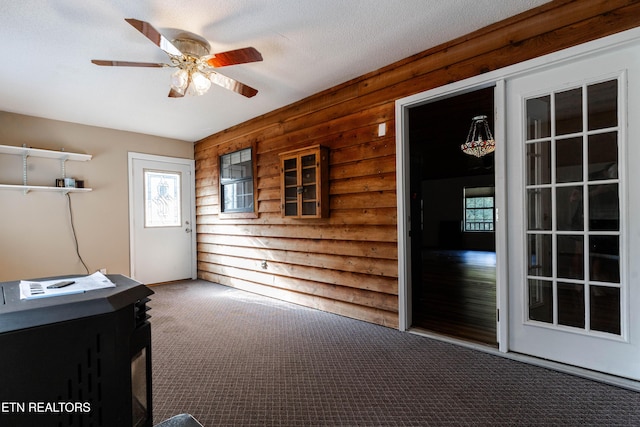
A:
(103, 270)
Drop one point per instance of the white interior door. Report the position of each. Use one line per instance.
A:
(161, 201)
(573, 290)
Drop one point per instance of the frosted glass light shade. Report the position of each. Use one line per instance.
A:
(179, 81)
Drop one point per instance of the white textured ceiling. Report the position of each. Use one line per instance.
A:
(307, 46)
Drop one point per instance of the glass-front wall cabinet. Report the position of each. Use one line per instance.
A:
(304, 182)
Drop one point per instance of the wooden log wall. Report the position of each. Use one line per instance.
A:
(348, 263)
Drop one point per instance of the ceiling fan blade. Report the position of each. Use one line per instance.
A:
(232, 57)
(175, 94)
(152, 34)
(126, 63)
(234, 85)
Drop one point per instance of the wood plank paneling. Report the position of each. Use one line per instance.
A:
(347, 263)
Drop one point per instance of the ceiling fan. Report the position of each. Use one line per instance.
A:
(189, 54)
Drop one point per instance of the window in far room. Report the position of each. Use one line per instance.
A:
(478, 209)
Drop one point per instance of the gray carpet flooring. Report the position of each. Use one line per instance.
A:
(232, 358)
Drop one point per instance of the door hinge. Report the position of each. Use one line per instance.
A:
(497, 314)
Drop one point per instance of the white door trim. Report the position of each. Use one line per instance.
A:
(497, 78)
(192, 191)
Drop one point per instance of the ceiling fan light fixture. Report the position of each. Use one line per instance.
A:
(189, 55)
(199, 83)
(180, 80)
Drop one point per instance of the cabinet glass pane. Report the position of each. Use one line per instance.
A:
(605, 309)
(602, 105)
(539, 206)
(569, 160)
(291, 178)
(308, 193)
(539, 255)
(309, 208)
(162, 199)
(604, 258)
(571, 304)
(291, 209)
(539, 117)
(308, 160)
(570, 257)
(540, 301)
(569, 111)
(569, 208)
(291, 194)
(538, 163)
(290, 164)
(308, 176)
(604, 213)
(603, 156)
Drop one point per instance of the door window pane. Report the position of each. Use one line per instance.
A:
(540, 255)
(604, 213)
(540, 301)
(570, 257)
(604, 258)
(569, 208)
(569, 111)
(571, 305)
(162, 200)
(602, 105)
(539, 215)
(539, 117)
(603, 156)
(605, 309)
(538, 163)
(569, 160)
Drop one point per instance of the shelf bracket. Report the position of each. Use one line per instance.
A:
(62, 167)
(24, 169)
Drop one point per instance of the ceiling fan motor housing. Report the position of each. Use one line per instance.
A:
(191, 44)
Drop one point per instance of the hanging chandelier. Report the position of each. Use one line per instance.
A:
(479, 141)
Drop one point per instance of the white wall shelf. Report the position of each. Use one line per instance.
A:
(27, 188)
(26, 152)
(39, 152)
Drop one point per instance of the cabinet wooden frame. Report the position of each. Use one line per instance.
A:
(304, 182)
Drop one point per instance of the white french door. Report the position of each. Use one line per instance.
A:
(162, 229)
(574, 291)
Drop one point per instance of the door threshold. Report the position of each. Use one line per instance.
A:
(464, 342)
(601, 377)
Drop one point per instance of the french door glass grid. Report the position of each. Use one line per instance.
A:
(573, 205)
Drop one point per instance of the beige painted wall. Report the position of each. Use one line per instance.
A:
(35, 232)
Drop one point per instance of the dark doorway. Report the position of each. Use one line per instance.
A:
(453, 262)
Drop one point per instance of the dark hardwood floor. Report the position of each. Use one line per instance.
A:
(457, 295)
